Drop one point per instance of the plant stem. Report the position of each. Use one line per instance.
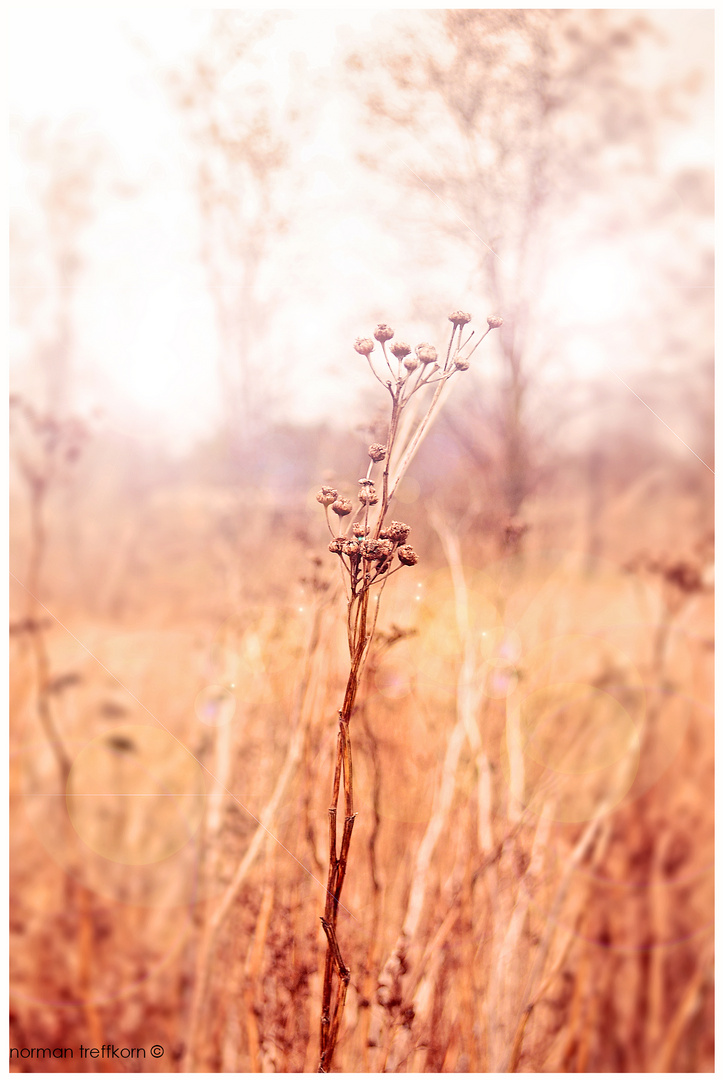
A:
(371, 562)
(330, 1023)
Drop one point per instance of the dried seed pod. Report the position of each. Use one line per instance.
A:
(368, 495)
(383, 332)
(364, 346)
(460, 318)
(396, 531)
(684, 575)
(327, 496)
(371, 549)
(411, 363)
(407, 555)
(351, 547)
(426, 353)
(342, 507)
(494, 321)
(377, 452)
(359, 530)
(514, 531)
(337, 544)
(460, 363)
(400, 349)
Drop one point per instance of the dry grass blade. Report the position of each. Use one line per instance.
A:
(262, 834)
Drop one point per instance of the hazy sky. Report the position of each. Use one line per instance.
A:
(144, 315)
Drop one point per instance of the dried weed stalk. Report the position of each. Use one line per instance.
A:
(370, 551)
(45, 448)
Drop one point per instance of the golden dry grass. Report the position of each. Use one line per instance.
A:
(531, 885)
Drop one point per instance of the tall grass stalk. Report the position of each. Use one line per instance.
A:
(367, 554)
(267, 822)
(408, 964)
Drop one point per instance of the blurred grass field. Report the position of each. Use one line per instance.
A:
(531, 882)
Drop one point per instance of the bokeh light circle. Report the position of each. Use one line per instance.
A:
(394, 678)
(135, 795)
(256, 656)
(446, 620)
(498, 674)
(571, 746)
(215, 705)
(574, 728)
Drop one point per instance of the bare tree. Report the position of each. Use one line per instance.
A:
(63, 167)
(240, 136)
(513, 119)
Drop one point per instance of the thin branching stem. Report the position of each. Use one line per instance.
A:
(367, 566)
(451, 342)
(374, 372)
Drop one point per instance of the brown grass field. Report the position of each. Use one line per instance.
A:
(530, 882)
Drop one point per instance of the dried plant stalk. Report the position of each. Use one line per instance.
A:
(46, 448)
(367, 553)
(261, 835)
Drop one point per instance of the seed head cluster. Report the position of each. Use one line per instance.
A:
(370, 549)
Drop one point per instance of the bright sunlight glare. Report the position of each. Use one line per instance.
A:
(594, 286)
